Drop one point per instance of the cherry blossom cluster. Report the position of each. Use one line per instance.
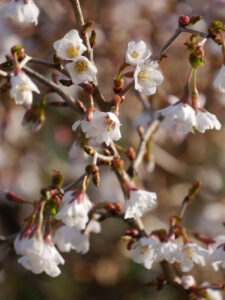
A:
(63, 219)
(23, 11)
(148, 250)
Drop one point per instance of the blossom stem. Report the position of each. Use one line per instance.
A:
(195, 100)
(142, 147)
(69, 186)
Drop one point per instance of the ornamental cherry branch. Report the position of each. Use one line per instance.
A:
(162, 50)
(142, 147)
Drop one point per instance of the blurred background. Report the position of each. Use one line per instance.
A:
(27, 158)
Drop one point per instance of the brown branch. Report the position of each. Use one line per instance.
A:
(76, 181)
(49, 65)
(80, 22)
(132, 170)
(55, 87)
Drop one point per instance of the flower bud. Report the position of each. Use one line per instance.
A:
(131, 153)
(184, 20)
(57, 179)
(93, 38)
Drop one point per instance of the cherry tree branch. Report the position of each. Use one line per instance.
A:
(55, 87)
(162, 50)
(132, 170)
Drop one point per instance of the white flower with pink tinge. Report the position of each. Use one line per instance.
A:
(218, 256)
(205, 121)
(168, 251)
(81, 70)
(104, 127)
(139, 202)
(74, 209)
(144, 251)
(179, 114)
(38, 255)
(186, 119)
(23, 11)
(219, 81)
(70, 46)
(192, 253)
(22, 88)
(147, 78)
(187, 281)
(137, 53)
(71, 238)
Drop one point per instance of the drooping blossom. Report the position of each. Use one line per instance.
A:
(139, 202)
(103, 127)
(187, 281)
(81, 70)
(192, 253)
(20, 10)
(205, 121)
(218, 256)
(38, 255)
(168, 251)
(137, 53)
(70, 46)
(21, 89)
(219, 81)
(144, 251)
(147, 78)
(74, 209)
(71, 238)
(181, 115)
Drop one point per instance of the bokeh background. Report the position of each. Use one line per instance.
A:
(27, 158)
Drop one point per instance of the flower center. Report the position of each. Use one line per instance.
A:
(22, 87)
(134, 54)
(189, 252)
(109, 124)
(80, 66)
(143, 75)
(72, 51)
(144, 249)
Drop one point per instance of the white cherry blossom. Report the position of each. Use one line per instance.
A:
(205, 121)
(81, 70)
(74, 209)
(71, 238)
(187, 281)
(168, 251)
(139, 202)
(218, 256)
(137, 53)
(38, 255)
(21, 89)
(192, 253)
(70, 46)
(181, 115)
(144, 251)
(146, 78)
(103, 127)
(20, 10)
(219, 81)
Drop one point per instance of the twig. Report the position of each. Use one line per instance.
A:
(80, 22)
(76, 181)
(49, 65)
(56, 88)
(142, 148)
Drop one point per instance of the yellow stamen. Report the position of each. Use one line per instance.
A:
(80, 66)
(22, 87)
(72, 51)
(134, 54)
(143, 75)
